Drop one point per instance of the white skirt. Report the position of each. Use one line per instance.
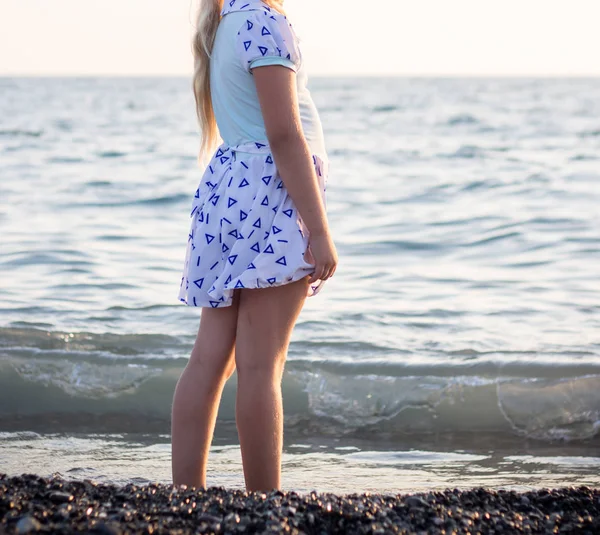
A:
(245, 230)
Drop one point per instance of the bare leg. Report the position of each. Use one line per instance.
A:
(266, 319)
(198, 394)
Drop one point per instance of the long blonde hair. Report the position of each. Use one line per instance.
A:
(209, 16)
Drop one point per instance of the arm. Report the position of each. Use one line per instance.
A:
(276, 87)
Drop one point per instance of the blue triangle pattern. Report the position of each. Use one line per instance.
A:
(269, 249)
(281, 261)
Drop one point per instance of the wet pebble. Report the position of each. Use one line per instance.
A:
(60, 497)
(27, 524)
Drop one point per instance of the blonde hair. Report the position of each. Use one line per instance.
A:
(209, 16)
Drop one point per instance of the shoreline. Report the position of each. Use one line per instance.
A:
(30, 503)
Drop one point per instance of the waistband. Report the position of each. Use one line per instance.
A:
(250, 147)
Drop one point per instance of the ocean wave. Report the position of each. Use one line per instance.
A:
(67, 257)
(111, 154)
(385, 109)
(33, 341)
(18, 132)
(589, 133)
(465, 151)
(584, 158)
(557, 399)
(318, 402)
(462, 118)
(162, 200)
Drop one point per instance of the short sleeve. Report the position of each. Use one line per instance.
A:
(267, 38)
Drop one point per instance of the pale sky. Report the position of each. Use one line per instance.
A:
(340, 37)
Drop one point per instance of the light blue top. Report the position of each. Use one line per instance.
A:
(251, 35)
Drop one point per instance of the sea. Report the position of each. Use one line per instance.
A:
(457, 345)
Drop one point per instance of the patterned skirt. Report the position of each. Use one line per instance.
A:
(245, 230)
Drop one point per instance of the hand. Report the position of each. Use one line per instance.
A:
(322, 253)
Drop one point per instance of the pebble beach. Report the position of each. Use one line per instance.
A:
(31, 504)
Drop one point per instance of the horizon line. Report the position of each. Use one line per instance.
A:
(316, 75)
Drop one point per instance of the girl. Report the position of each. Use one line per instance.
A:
(259, 241)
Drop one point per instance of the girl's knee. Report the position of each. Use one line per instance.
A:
(260, 368)
(212, 368)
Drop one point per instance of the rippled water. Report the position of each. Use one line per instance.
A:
(466, 300)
